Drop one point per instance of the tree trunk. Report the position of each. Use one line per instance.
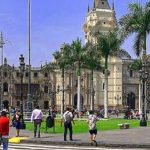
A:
(106, 95)
(92, 92)
(79, 88)
(63, 94)
(79, 94)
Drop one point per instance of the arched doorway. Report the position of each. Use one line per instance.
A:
(5, 104)
(76, 99)
(5, 86)
(131, 100)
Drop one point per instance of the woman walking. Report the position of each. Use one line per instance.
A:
(16, 122)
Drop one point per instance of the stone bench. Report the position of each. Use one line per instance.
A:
(124, 125)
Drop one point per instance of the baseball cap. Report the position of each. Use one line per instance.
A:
(5, 111)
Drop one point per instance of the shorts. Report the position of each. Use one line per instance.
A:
(93, 131)
(17, 125)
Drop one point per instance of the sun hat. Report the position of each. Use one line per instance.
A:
(5, 111)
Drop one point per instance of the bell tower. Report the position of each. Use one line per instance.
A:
(100, 18)
(101, 4)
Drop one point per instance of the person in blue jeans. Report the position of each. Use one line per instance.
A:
(4, 128)
(68, 118)
(16, 122)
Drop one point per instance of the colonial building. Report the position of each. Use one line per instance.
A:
(123, 83)
(41, 83)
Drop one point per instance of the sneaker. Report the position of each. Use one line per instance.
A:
(95, 143)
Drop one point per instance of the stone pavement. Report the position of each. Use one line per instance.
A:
(129, 138)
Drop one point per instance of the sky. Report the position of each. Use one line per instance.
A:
(53, 22)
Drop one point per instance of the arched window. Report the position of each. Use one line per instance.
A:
(46, 104)
(5, 87)
(131, 73)
(5, 74)
(46, 75)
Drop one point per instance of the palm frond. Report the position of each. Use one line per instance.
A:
(137, 20)
(138, 44)
(122, 54)
(135, 65)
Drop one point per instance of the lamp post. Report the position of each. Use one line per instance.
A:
(143, 78)
(117, 98)
(29, 107)
(22, 68)
(2, 76)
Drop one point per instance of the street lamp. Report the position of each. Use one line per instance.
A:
(143, 78)
(22, 68)
(117, 98)
(29, 107)
(2, 76)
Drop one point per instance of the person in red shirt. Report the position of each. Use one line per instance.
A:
(4, 128)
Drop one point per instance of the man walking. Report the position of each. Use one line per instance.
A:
(92, 127)
(4, 128)
(68, 118)
(36, 117)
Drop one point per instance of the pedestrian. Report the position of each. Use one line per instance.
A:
(68, 119)
(4, 129)
(36, 117)
(92, 127)
(16, 122)
(13, 110)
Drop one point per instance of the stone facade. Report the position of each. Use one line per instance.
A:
(123, 86)
(123, 83)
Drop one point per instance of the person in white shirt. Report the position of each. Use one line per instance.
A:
(36, 117)
(68, 118)
(92, 126)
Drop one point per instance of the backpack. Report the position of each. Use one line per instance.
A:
(68, 118)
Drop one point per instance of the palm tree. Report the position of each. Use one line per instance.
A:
(136, 65)
(92, 62)
(109, 45)
(77, 51)
(62, 59)
(138, 21)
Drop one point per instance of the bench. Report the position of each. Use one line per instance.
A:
(124, 125)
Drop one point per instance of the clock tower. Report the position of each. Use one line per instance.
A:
(100, 18)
